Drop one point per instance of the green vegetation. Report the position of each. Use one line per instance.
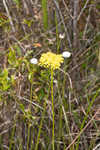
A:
(49, 100)
(45, 14)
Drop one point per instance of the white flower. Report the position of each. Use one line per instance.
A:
(66, 54)
(33, 61)
(55, 81)
(8, 78)
(61, 36)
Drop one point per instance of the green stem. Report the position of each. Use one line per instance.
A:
(28, 137)
(45, 14)
(40, 127)
(42, 119)
(52, 108)
(85, 118)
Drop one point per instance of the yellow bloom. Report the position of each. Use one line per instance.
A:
(51, 60)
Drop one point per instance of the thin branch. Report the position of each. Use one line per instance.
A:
(27, 100)
(69, 78)
(71, 87)
(66, 31)
(83, 130)
(87, 22)
(75, 29)
(9, 16)
(26, 7)
(67, 9)
(83, 10)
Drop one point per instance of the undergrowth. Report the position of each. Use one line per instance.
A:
(43, 109)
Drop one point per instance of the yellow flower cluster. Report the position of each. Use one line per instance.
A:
(51, 60)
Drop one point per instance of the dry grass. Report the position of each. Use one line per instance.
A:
(25, 94)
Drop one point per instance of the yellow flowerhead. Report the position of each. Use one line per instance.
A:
(51, 60)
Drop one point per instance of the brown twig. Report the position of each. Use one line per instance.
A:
(83, 130)
(82, 10)
(65, 28)
(75, 28)
(9, 16)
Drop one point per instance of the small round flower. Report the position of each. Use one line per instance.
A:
(51, 60)
(8, 78)
(62, 36)
(34, 61)
(66, 54)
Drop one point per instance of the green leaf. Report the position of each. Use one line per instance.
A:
(4, 80)
(45, 14)
(22, 108)
(18, 50)
(12, 57)
(17, 2)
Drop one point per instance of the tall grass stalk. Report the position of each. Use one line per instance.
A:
(40, 127)
(85, 118)
(11, 145)
(28, 138)
(60, 127)
(57, 34)
(60, 108)
(1, 139)
(63, 105)
(45, 14)
(64, 112)
(29, 125)
(52, 109)
(41, 123)
(20, 146)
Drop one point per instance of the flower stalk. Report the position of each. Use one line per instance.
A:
(52, 61)
(53, 115)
